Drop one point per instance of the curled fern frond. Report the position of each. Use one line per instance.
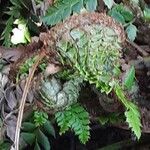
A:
(91, 44)
(76, 118)
(59, 96)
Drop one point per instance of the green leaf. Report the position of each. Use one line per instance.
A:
(43, 140)
(118, 17)
(6, 36)
(132, 113)
(28, 137)
(49, 128)
(121, 13)
(91, 5)
(33, 27)
(77, 7)
(133, 118)
(131, 32)
(60, 10)
(129, 78)
(27, 126)
(109, 3)
(127, 14)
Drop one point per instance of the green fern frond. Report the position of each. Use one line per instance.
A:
(76, 118)
(133, 118)
(6, 33)
(132, 113)
(63, 8)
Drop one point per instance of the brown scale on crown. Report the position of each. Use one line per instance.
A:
(81, 21)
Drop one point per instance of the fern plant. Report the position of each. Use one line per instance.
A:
(91, 45)
(74, 117)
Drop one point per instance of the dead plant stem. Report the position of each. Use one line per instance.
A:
(22, 103)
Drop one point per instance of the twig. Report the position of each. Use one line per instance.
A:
(22, 104)
(138, 48)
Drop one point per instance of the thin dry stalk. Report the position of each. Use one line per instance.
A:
(22, 104)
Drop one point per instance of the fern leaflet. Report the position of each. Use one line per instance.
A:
(76, 118)
(132, 113)
(133, 118)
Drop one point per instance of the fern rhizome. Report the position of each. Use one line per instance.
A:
(91, 44)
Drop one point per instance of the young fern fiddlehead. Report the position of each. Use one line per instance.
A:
(63, 99)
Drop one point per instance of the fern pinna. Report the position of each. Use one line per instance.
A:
(74, 117)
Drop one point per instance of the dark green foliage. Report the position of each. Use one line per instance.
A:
(43, 140)
(19, 9)
(76, 118)
(5, 145)
(28, 126)
(37, 131)
(63, 9)
(24, 68)
(6, 33)
(14, 12)
(121, 13)
(48, 128)
(125, 16)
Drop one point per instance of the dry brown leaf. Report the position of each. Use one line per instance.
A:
(52, 69)
(11, 127)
